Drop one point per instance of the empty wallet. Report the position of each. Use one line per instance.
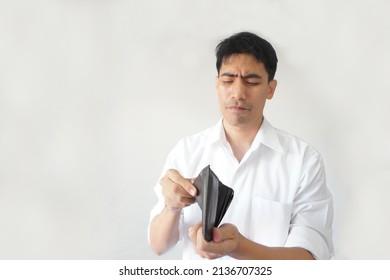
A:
(213, 198)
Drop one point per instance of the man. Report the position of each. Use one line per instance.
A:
(281, 208)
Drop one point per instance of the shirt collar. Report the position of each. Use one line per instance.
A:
(217, 134)
(267, 135)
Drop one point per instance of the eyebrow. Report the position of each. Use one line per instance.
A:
(248, 76)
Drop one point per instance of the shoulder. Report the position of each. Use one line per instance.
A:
(307, 162)
(192, 145)
(201, 139)
(195, 140)
(187, 153)
(294, 144)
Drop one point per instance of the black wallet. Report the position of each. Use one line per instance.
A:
(213, 198)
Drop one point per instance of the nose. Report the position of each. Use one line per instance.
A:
(239, 89)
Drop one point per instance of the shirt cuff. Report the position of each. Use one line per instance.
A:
(310, 240)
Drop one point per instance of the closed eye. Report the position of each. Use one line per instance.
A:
(253, 79)
(250, 79)
(252, 83)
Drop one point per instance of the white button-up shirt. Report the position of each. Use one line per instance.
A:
(280, 193)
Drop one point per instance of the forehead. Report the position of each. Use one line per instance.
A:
(242, 63)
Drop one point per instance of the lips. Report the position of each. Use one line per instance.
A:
(238, 107)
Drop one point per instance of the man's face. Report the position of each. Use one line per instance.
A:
(243, 88)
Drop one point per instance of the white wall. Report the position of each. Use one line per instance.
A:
(93, 95)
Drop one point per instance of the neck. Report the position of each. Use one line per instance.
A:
(240, 138)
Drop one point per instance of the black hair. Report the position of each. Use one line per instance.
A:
(248, 43)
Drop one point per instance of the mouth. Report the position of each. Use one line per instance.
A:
(237, 108)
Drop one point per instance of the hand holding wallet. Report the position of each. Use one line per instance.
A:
(214, 199)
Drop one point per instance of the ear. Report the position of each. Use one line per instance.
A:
(271, 89)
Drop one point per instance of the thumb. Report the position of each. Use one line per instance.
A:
(226, 231)
(217, 237)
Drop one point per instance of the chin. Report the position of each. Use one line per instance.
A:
(237, 122)
(240, 121)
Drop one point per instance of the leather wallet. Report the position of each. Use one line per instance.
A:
(213, 198)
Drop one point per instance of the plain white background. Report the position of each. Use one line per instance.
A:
(94, 94)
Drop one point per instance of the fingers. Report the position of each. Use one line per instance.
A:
(177, 190)
(186, 184)
(225, 240)
(195, 235)
(193, 232)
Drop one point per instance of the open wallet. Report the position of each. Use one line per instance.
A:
(213, 198)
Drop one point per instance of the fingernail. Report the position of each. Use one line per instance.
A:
(193, 192)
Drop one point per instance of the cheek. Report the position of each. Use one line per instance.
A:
(221, 94)
(224, 89)
(260, 104)
(221, 100)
